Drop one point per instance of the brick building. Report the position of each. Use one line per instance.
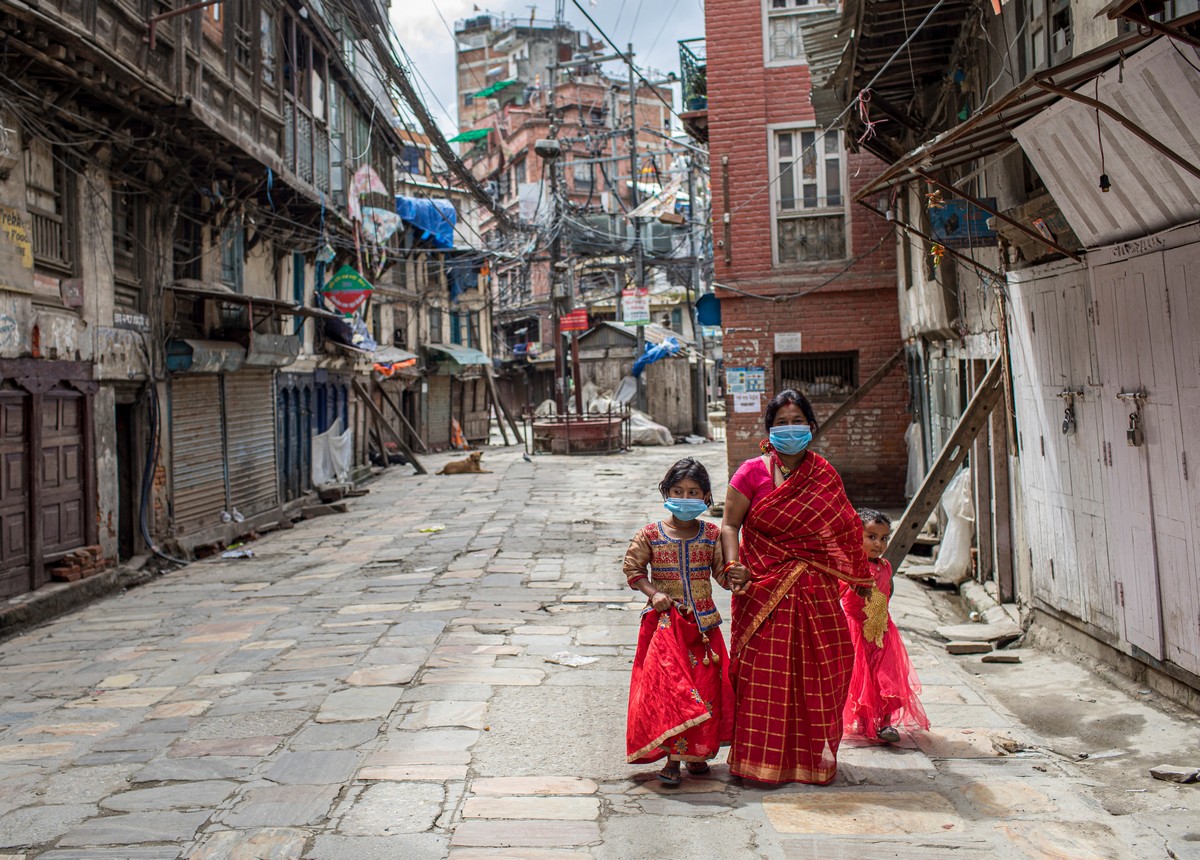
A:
(786, 189)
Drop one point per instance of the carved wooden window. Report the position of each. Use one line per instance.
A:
(809, 196)
(268, 40)
(213, 22)
(233, 255)
(242, 15)
(126, 249)
(51, 207)
(187, 245)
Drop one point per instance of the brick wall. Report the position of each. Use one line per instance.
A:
(856, 312)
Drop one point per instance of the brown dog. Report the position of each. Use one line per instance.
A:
(469, 465)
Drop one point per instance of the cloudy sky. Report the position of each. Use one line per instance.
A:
(425, 28)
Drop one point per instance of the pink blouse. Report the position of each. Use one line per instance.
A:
(753, 479)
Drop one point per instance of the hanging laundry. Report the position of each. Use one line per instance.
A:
(379, 225)
(364, 181)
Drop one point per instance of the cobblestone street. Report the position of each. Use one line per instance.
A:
(375, 685)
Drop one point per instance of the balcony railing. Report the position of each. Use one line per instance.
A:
(693, 64)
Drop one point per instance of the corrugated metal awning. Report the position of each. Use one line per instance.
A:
(221, 293)
(462, 355)
(990, 131)
(1154, 94)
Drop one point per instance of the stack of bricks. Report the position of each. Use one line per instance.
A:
(79, 564)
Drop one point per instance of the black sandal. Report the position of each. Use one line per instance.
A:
(665, 777)
(698, 768)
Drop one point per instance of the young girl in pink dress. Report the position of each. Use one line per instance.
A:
(884, 687)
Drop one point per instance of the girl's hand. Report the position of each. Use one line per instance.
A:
(863, 591)
(660, 602)
(738, 577)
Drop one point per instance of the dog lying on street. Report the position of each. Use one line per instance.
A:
(469, 465)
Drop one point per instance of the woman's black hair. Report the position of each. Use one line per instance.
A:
(872, 517)
(795, 398)
(688, 467)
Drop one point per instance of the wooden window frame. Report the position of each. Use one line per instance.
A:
(781, 193)
(793, 11)
(61, 220)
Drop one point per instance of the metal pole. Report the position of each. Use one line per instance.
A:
(560, 363)
(701, 386)
(638, 263)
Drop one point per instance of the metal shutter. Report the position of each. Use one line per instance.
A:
(251, 441)
(197, 451)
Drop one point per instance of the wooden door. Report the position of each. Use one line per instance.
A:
(62, 462)
(1178, 517)
(1131, 315)
(14, 495)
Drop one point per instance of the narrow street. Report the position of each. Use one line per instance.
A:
(376, 685)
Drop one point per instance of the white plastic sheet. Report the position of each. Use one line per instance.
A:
(332, 454)
(644, 431)
(916, 459)
(954, 554)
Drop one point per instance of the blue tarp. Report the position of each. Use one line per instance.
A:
(462, 275)
(655, 351)
(435, 217)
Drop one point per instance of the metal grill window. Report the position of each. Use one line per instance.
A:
(822, 374)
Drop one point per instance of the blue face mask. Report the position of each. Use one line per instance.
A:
(791, 438)
(686, 509)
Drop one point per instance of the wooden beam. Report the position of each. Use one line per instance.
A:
(859, 393)
(392, 405)
(491, 381)
(973, 420)
(365, 397)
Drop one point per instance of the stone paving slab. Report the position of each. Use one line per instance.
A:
(527, 834)
(135, 828)
(361, 690)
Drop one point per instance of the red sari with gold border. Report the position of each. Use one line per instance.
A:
(792, 657)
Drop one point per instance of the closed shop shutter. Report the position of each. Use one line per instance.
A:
(62, 463)
(197, 446)
(14, 494)
(251, 441)
(439, 410)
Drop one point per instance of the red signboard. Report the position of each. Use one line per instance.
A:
(576, 320)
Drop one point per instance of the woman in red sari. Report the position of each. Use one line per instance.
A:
(791, 652)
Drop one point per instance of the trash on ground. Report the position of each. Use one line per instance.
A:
(695, 440)
(1008, 746)
(566, 658)
(1175, 773)
(435, 527)
(238, 553)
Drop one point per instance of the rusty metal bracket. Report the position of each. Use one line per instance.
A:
(154, 19)
(908, 228)
(1028, 231)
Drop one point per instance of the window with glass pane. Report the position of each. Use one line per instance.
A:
(810, 200)
(785, 22)
(267, 37)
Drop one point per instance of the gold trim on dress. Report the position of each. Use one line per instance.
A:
(670, 733)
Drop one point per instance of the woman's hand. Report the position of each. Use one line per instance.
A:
(863, 591)
(660, 602)
(738, 577)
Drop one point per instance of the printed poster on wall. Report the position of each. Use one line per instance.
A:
(747, 401)
(635, 307)
(735, 380)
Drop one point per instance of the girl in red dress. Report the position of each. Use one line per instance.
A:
(884, 686)
(680, 700)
